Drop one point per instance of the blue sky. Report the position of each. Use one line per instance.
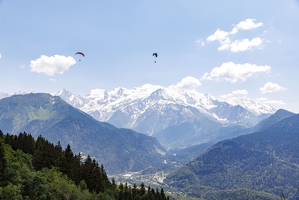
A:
(229, 49)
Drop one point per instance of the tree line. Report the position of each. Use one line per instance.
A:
(38, 169)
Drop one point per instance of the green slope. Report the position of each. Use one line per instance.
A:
(263, 161)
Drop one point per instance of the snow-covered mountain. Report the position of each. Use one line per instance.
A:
(256, 107)
(177, 118)
(151, 108)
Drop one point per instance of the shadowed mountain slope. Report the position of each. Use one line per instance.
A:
(265, 161)
(120, 150)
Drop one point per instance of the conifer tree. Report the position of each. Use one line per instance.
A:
(44, 154)
(121, 191)
(163, 196)
(104, 176)
(113, 183)
(67, 157)
(7, 139)
(30, 144)
(3, 166)
(142, 189)
(25, 142)
(97, 182)
(76, 169)
(1, 134)
(158, 195)
(58, 153)
(87, 175)
(134, 191)
(150, 195)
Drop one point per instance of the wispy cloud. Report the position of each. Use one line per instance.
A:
(200, 41)
(0, 55)
(272, 102)
(271, 87)
(56, 64)
(233, 73)
(240, 92)
(224, 37)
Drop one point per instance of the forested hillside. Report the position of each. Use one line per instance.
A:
(38, 169)
(264, 161)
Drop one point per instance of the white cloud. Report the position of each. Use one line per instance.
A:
(234, 93)
(56, 64)
(235, 72)
(248, 24)
(219, 35)
(245, 44)
(188, 83)
(237, 45)
(271, 87)
(0, 55)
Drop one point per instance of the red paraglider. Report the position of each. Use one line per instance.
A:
(80, 54)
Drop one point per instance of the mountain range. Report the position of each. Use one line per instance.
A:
(178, 118)
(264, 157)
(118, 149)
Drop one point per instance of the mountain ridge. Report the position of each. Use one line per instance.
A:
(120, 150)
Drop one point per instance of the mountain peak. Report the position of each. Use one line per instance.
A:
(160, 94)
(283, 112)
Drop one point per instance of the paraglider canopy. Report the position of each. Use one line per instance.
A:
(80, 53)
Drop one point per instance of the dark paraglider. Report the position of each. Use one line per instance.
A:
(156, 55)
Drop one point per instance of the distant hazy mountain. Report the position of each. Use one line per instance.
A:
(265, 161)
(182, 156)
(273, 119)
(267, 122)
(197, 132)
(156, 110)
(120, 150)
(3, 95)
